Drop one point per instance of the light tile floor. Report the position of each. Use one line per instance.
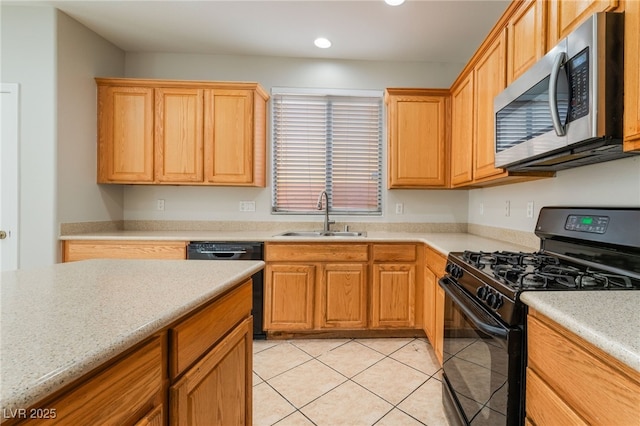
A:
(346, 382)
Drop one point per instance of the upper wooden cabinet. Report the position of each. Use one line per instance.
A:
(417, 123)
(489, 81)
(125, 134)
(632, 76)
(178, 149)
(565, 15)
(235, 136)
(527, 37)
(462, 131)
(181, 132)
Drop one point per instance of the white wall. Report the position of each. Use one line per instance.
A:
(82, 55)
(28, 58)
(54, 60)
(615, 183)
(200, 203)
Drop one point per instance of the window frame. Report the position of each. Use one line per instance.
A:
(327, 93)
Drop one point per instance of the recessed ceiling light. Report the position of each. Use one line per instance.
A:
(322, 43)
(394, 2)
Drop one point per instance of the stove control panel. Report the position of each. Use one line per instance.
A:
(584, 223)
(490, 297)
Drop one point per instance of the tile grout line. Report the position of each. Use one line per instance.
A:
(349, 379)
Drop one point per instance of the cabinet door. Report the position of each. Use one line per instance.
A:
(632, 76)
(438, 343)
(229, 136)
(564, 16)
(288, 297)
(489, 81)
(430, 304)
(527, 37)
(462, 132)
(417, 141)
(178, 154)
(393, 296)
(343, 296)
(125, 134)
(217, 390)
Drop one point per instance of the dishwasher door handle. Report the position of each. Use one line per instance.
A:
(221, 252)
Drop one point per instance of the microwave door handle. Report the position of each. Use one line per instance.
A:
(553, 92)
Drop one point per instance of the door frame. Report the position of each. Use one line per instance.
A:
(9, 168)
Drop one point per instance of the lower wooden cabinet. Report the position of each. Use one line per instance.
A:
(217, 390)
(570, 381)
(128, 391)
(288, 296)
(343, 296)
(155, 417)
(315, 287)
(73, 250)
(434, 319)
(393, 296)
(201, 365)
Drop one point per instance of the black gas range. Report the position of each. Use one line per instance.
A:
(581, 249)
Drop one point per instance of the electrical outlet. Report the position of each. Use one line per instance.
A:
(247, 206)
(507, 208)
(530, 209)
(160, 205)
(399, 208)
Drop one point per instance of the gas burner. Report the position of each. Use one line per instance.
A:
(532, 280)
(605, 280)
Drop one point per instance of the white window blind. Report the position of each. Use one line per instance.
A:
(327, 142)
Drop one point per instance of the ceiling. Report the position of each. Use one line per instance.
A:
(418, 30)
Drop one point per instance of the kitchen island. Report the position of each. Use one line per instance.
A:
(62, 322)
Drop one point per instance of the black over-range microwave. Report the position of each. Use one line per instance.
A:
(566, 110)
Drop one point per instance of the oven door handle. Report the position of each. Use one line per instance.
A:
(494, 330)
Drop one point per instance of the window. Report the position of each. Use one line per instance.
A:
(327, 141)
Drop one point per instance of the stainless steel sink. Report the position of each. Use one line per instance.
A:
(322, 234)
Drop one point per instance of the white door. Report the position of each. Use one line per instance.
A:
(9, 174)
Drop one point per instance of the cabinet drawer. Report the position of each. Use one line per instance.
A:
(435, 261)
(218, 389)
(394, 252)
(82, 250)
(601, 389)
(115, 395)
(316, 252)
(191, 338)
(545, 407)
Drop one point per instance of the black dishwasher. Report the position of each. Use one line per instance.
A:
(245, 250)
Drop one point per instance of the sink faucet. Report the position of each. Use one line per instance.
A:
(327, 222)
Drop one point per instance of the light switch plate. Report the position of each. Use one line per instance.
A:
(530, 209)
(247, 206)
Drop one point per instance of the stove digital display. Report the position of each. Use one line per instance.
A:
(592, 224)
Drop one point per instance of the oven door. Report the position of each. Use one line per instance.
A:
(483, 363)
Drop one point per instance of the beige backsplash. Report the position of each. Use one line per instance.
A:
(527, 239)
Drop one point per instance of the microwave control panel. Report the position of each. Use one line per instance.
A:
(578, 72)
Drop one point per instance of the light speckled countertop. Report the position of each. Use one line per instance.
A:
(610, 320)
(596, 316)
(444, 242)
(60, 322)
